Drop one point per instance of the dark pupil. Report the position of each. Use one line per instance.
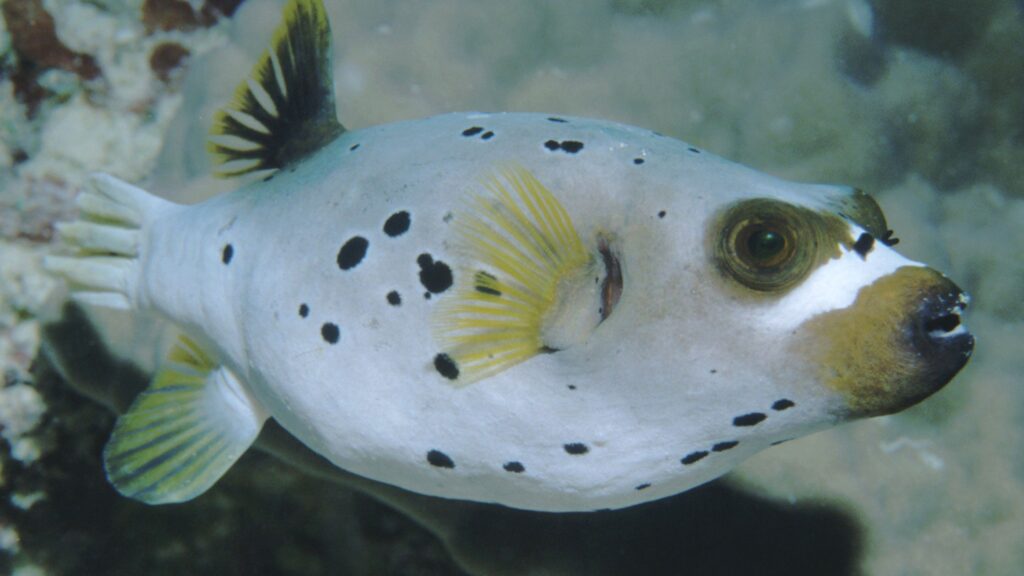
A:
(765, 244)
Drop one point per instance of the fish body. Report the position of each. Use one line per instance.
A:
(551, 313)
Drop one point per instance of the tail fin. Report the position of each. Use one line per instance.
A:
(106, 238)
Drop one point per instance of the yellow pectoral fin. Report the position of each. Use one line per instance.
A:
(525, 249)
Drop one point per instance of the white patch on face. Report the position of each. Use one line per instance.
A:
(835, 285)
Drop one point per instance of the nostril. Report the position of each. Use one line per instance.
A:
(942, 325)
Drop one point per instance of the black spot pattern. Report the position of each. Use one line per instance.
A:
(487, 135)
(865, 242)
(353, 147)
(752, 419)
(888, 239)
(514, 467)
(488, 290)
(446, 367)
(692, 149)
(227, 253)
(644, 486)
(661, 214)
(436, 276)
(723, 446)
(638, 161)
(352, 252)
(557, 120)
(568, 146)
(693, 457)
(440, 459)
(576, 448)
(330, 332)
(472, 131)
(303, 310)
(572, 386)
(783, 404)
(397, 224)
(481, 280)
(394, 298)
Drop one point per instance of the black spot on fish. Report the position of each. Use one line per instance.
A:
(472, 131)
(783, 404)
(693, 457)
(426, 295)
(693, 150)
(483, 281)
(576, 448)
(643, 486)
(888, 239)
(638, 161)
(752, 419)
(572, 146)
(446, 367)
(487, 135)
(353, 147)
(552, 145)
(352, 252)
(514, 467)
(303, 310)
(394, 298)
(436, 276)
(661, 214)
(227, 253)
(865, 242)
(558, 120)
(440, 459)
(723, 446)
(330, 332)
(397, 224)
(572, 386)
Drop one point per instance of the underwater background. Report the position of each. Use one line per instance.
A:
(920, 103)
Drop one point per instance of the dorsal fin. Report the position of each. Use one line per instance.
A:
(284, 111)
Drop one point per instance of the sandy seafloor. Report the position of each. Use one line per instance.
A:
(918, 102)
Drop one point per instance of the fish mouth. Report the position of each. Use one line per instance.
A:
(938, 334)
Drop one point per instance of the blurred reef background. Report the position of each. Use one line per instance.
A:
(920, 103)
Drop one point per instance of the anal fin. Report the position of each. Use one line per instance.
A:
(183, 432)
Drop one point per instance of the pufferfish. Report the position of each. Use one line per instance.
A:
(546, 312)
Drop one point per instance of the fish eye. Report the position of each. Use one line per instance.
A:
(766, 245)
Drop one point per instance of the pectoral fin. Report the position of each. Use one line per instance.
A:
(183, 432)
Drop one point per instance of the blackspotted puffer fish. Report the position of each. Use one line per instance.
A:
(546, 312)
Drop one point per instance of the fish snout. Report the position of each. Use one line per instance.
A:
(901, 341)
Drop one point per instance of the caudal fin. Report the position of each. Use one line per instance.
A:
(106, 239)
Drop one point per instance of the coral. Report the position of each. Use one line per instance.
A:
(37, 49)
